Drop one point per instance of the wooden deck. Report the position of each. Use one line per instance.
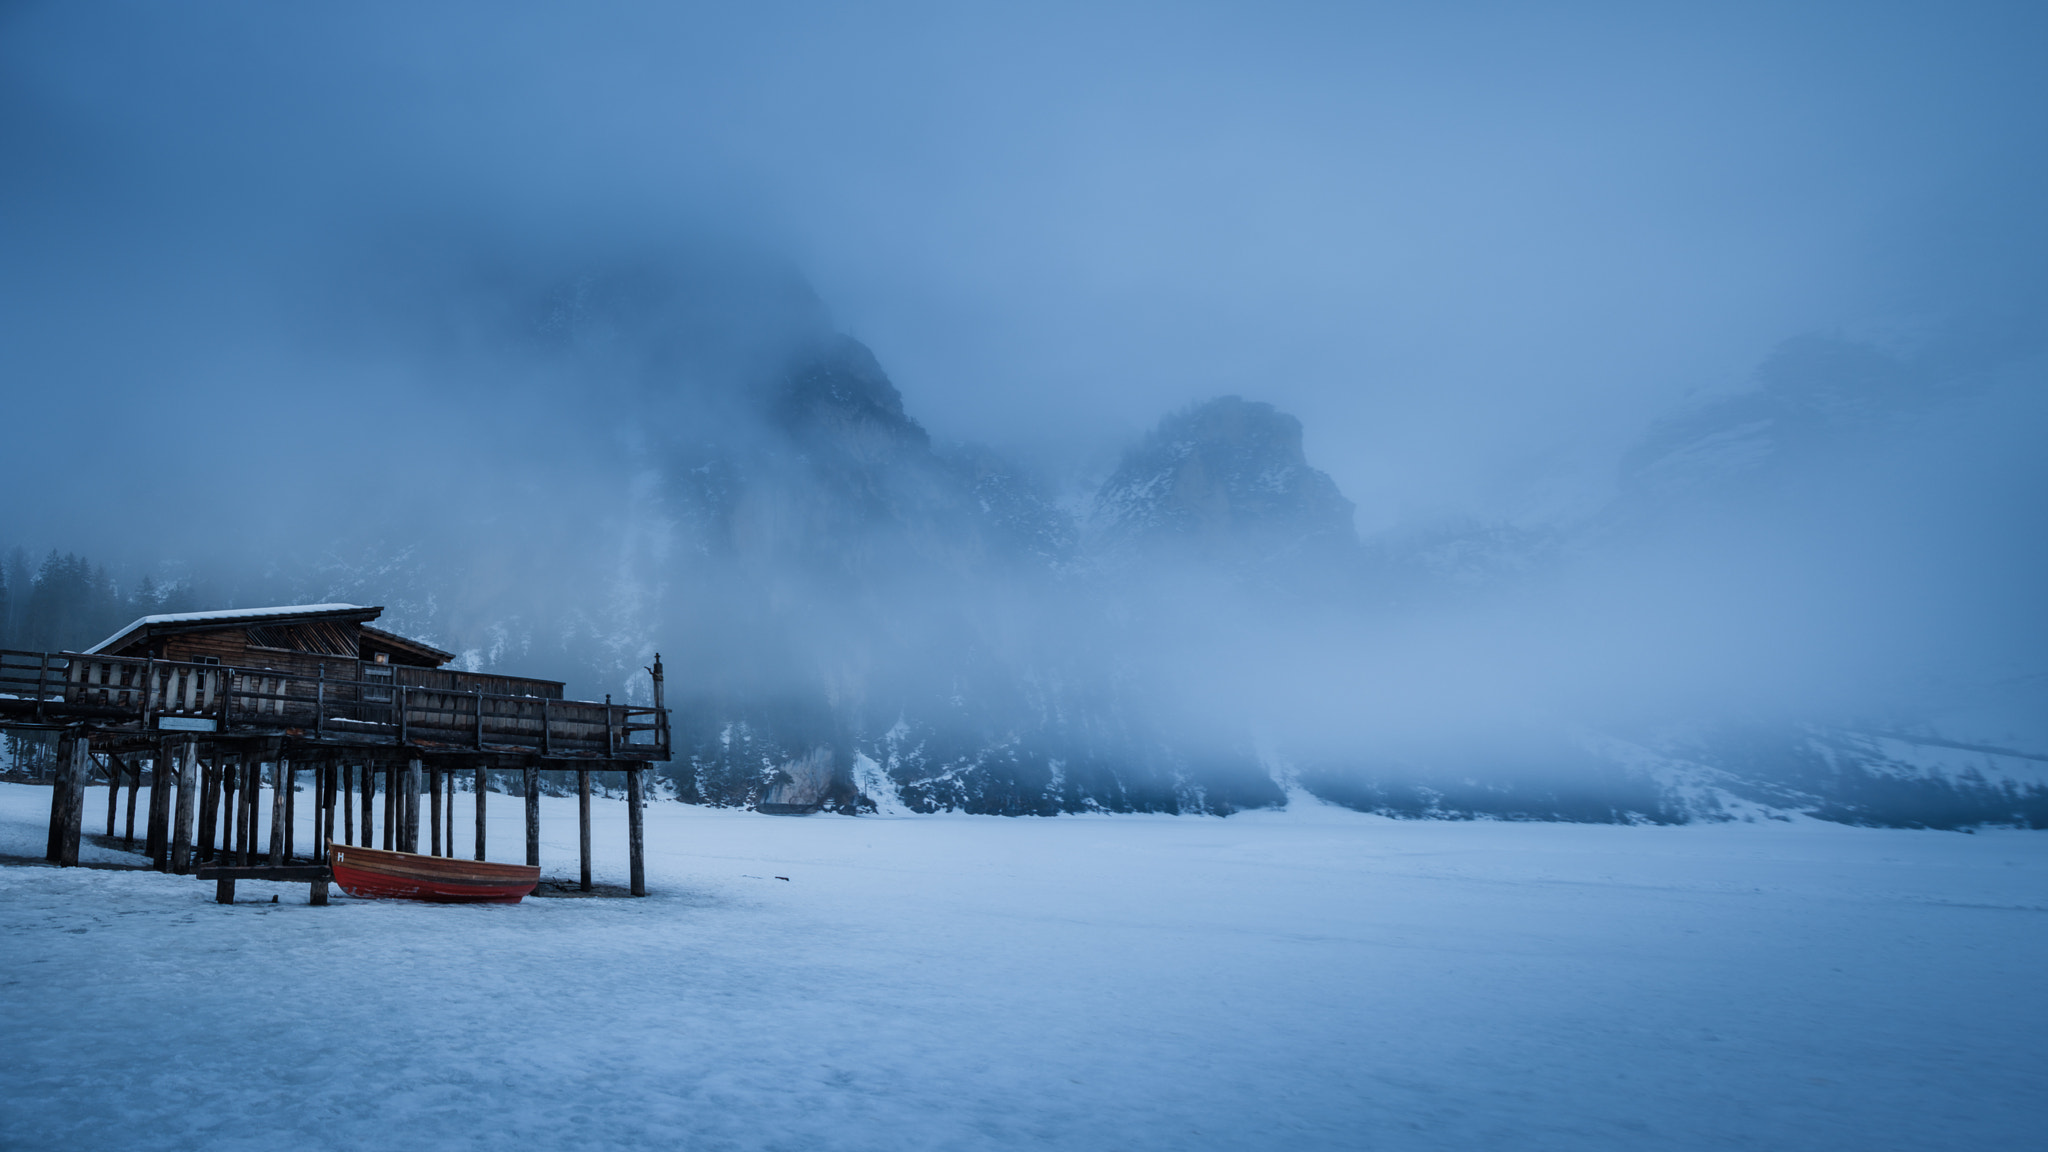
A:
(327, 700)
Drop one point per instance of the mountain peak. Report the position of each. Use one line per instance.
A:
(1226, 479)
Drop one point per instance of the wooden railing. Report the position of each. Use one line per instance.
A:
(363, 702)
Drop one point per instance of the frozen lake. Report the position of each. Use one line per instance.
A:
(1300, 980)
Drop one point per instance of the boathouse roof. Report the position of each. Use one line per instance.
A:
(167, 622)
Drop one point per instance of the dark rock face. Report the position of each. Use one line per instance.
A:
(917, 611)
(1224, 481)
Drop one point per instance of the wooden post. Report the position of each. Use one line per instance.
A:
(327, 823)
(280, 790)
(209, 805)
(67, 799)
(414, 780)
(434, 812)
(348, 804)
(660, 709)
(252, 793)
(532, 816)
(113, 791)
(482, 790)
(134, 768)
(319, 899)
(583, 823)
(187, 760)
(230, 804)
(161, 780)
(636, 833)
(391, 809)
(450, 777)
(290, 776)
(223, 891)
(53, 843)
(237, 847)
(214, 804)
(369, 775)
(158, 814)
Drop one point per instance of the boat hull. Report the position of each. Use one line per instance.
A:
(374, 874)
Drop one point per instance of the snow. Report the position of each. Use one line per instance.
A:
(223, 614)
(1306, 979)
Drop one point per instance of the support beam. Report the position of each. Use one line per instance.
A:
(187, 760)
(209, 806)
(327, 809)
(252, 795)
(482, 790)
(162, 778)
(291, 807)
(155, 834)
(280, 788)
(348, 803)
(449, 777)
(391, 809)
(636, 832)
(113, 791)
(414, 781)
(133, 766)
(532, 816)
(230, 804)
(583, 824)
(434, 812)
(67, 799)
(369, 774)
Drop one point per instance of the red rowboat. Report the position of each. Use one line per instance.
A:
(373, 873)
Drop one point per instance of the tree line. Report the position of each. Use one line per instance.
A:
(65, 602)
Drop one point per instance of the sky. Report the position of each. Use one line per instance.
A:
(1478, 249)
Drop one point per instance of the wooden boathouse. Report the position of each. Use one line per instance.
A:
(226, 706)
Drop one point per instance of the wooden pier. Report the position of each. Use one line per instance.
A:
(224, 705)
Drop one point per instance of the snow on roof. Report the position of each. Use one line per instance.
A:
(224, 614)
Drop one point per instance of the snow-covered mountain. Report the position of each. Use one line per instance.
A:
(857, 616)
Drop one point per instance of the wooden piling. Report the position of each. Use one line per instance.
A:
(134, 769)
(414, 780)
(113, 791)
(636, 832)
(449, 777)
(583, 824)
(327, 819)
(482, 790)
(209, 807)
(434, 812)
(158, 815)
(252, 794)
(230, 804)
(348, 804)
(391, 809)
(67, 799)
(279, 791)
(290, 778)
(53, 842)
(187, 760)
(162, 778)
(532, 816)
(369, 775)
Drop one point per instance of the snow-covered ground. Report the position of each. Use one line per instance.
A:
(1292, 980)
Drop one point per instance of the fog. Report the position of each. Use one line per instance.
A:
(1674, 369)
